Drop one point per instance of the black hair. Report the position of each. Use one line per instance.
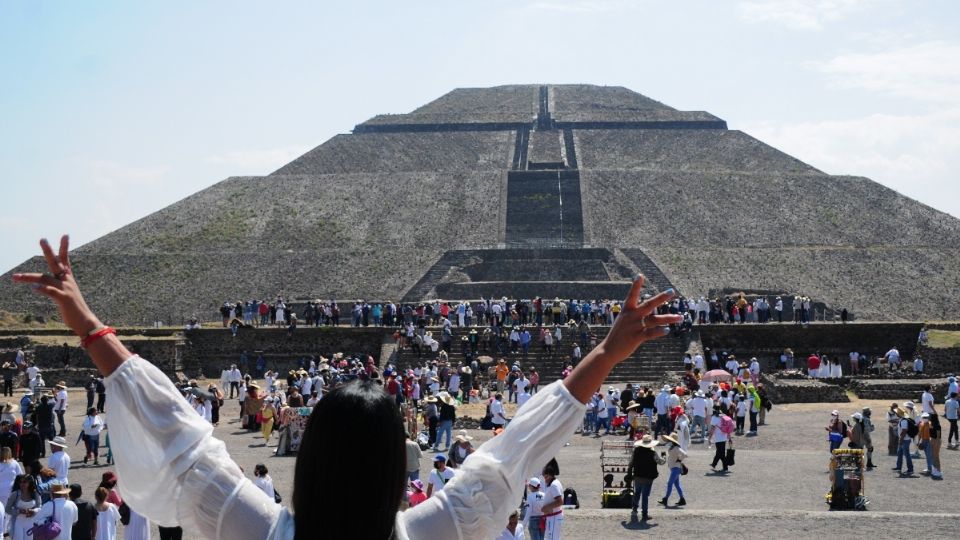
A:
(260, 469)
(76, 491)
(359, 414)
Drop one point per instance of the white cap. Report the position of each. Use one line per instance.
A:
(535, 482)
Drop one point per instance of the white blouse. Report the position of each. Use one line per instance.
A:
(175, 472)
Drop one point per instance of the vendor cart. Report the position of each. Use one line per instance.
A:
(847, 480)
(617, 490)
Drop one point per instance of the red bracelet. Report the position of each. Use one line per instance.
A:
(85, 342)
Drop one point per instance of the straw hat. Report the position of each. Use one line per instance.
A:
(59, 489)
(633, 405)
(430, 399)
(646, 442)
(7, 407)
(59, 441)
(462, 436)
(671, 438)
(61, 385)
(447, 398)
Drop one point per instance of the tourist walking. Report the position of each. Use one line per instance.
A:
(951, 411)
(643, 470)
(868, 429)
(92, 426)
(906, 431)
(86, 526)
(439, 476)
(721, 426)
(262, 479)
(60, 406)
(675, 457)
(10, 469)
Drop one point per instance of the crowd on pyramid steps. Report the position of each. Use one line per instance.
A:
(737, 308)
(192, 481)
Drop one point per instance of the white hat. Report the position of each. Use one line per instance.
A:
(925, 415)
(647, 442)
(908, 404)
(856, 416)
(535, 482)
(835, 413)
(59, 441)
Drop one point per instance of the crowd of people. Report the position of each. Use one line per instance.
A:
(35, 485)
(733, 308)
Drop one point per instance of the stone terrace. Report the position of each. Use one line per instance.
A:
(756, 210)
(402, 152)
(706, 150)
(872, 283)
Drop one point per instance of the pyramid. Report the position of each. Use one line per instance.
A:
(522, 191)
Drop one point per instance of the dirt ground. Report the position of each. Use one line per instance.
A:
(776, 489)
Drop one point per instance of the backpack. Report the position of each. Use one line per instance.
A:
(49, 529)
(570, 498)
(912, 429)
(726, 424)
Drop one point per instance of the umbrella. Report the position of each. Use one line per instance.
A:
(202, 394)
(485, 359)
(717, 375)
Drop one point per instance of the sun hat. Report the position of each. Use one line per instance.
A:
(61, 385)
(900, 412)
(462, 436)
(430, 399)
(535, 482)
(447, 398)
(835, 413)
(925, 415)
(908, 405)
(417, 485)
(671, 438)
(856, 416)
(439, 457)
(633, 405)
(59, 441)
(646, 442)
(59, 489)
(27, 392)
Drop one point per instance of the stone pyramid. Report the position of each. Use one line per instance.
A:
(522, 191)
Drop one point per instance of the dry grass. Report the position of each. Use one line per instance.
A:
(943, 339)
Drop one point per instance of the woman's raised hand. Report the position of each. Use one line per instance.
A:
(636, 324)
(60, 286)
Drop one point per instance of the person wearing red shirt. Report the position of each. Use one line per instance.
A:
(813, 365)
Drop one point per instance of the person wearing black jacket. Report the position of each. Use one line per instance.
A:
(31, 445)
(626, 397)
(91, 388)
(45, 419)
(643, 471)
(85, 528)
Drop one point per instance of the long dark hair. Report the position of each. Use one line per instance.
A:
(360, 421)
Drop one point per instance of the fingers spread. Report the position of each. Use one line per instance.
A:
(651, 305)
(663, 320)
(51, 259)
(633, 297)
(65, 251)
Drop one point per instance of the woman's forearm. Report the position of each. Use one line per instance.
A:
(108, 353)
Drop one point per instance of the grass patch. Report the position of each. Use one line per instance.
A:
(943, 339)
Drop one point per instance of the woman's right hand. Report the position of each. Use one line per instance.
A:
(60, 286)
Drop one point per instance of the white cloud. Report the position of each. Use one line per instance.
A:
(799, 14)
(257, 161)
(916, 155)
(928, 72)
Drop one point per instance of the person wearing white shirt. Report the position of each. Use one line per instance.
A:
(893, 358)
(926, 400)
(854, 362)
(496, 410)
(306, 387)
(59, 505)
(553, 502)
(60, 406)
(234, 376)
(32, 371)
(732, 365)
(755, 370)
(522, 398)
(92, 426)
(59, 461)
(439, 476)
(951, 411)
(533, 508)
(514, 529)
(108, 516)
(698, 362)
(263, 481)
(698, 409)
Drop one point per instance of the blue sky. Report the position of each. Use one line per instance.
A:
(112, 110)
